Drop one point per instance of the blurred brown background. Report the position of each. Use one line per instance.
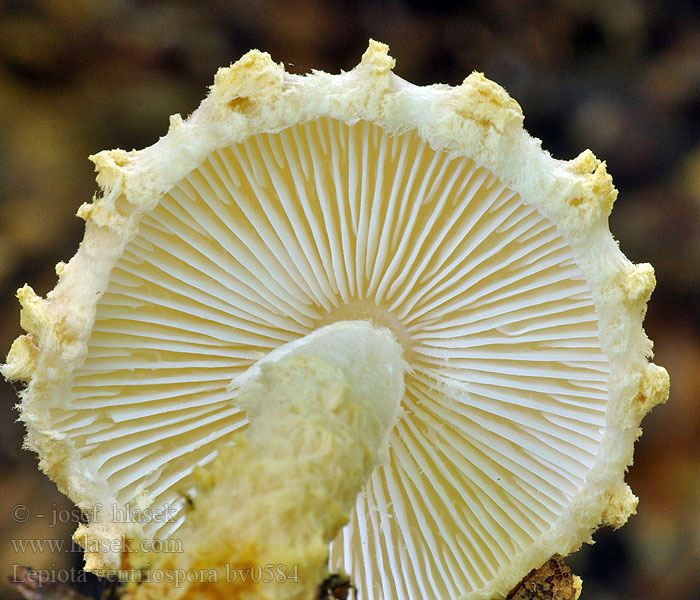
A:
(621, 77)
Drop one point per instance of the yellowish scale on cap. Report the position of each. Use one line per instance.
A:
(488, 103)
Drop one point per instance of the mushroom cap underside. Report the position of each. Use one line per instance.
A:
(286, 203)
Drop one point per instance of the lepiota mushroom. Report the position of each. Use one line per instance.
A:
(347, 204)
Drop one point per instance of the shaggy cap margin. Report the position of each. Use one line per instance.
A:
(476, 119)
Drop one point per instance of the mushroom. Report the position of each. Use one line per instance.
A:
(291, 209)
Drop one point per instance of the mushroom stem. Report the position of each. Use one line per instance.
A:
(320, 410)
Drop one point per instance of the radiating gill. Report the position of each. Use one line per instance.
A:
(269, 239)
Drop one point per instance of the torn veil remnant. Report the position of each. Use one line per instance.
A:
(288, 210)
